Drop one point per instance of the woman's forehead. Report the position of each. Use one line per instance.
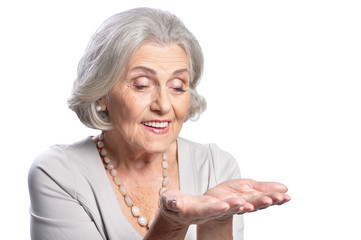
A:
(151, 55)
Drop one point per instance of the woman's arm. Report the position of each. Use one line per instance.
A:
(165, 228)
(216, 229)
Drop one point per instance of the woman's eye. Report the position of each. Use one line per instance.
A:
(140, 87)
(141, 83)
(179, 89)
(177, 85)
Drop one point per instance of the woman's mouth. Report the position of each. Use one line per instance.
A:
(158, 127)
(156, 124)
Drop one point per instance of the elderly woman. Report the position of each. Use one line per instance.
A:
(138, 180)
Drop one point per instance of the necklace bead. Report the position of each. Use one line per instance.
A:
(103, 152)
(110, 166)
(114, 173)
(165, 181)
(100, 144)
(128, 201)
(106, 160)
(162, 190)
(117, 181)
(101, 137)
(165, 173)
(122, 191)
(135, 211)
(142, 221)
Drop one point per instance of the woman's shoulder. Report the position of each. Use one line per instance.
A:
(65, 164)
(58, 155)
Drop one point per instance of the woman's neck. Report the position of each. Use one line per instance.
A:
(131, 157)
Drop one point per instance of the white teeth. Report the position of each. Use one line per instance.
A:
(156, 124)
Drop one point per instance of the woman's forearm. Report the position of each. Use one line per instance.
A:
(164, 228)
(216, 229)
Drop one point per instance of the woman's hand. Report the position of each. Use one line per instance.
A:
(188, 209)
(178, 210)
(257, 195)
(224, 200)
(216, 207)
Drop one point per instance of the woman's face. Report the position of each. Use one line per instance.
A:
(148, 107)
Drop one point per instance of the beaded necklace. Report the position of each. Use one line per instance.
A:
(142, 221)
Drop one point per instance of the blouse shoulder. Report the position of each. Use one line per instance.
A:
(61, 183)
(60, 164)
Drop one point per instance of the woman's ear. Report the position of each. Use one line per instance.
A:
(100, 105)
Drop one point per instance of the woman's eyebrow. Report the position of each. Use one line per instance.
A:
(152, 72)
(180, 71)
(145, 69)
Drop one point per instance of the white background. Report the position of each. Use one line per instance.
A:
(283, 85)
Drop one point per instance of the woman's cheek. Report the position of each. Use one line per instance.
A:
(183, 106)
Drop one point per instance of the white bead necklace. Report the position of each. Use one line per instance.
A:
(142, 221)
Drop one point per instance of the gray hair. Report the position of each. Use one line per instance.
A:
(110, 49)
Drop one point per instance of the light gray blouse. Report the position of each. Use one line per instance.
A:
(72, 198)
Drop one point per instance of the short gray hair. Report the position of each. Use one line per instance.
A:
(110, 49)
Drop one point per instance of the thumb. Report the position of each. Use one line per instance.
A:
(172, 200)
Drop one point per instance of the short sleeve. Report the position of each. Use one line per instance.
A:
(56, 214)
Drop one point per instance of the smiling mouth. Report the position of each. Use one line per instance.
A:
(156, 124)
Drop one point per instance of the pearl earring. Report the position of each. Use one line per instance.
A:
(98, 108)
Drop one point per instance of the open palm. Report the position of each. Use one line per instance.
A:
(224, 200)
(257, 195)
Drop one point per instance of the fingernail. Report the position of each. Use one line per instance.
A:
(171, 202)
(240, 209)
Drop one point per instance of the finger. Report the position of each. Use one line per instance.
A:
(262, 202)
(247, 207)
(235, 202)
(268, 186)
(237, 205)
(270, 199)
(286, 198)
(279, 198)
(276, 197)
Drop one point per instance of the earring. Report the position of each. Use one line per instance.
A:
(98, 108)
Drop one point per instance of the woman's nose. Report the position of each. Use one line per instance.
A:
(161, 102)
